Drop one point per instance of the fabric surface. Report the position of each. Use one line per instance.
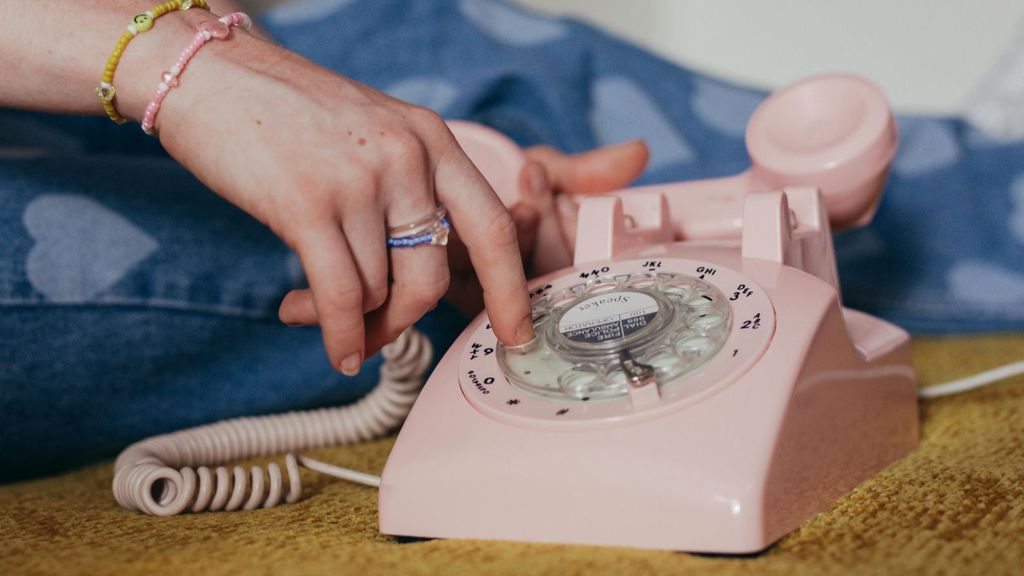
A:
(955, 505)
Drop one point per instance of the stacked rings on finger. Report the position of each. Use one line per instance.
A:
(430, 230)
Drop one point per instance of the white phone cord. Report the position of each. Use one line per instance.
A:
(972, 382)
(159, 475)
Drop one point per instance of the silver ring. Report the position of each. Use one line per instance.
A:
(430, 230)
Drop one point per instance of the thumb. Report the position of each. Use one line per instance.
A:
(601, 170)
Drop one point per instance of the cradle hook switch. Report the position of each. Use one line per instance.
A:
(608, 225)
(767, 230)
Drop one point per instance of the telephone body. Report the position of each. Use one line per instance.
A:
(696, 383)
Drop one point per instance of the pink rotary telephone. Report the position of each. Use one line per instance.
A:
(695, 383)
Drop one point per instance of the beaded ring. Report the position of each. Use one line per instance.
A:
(219, 29)
(432, 229)
(434, 237)
(141, 22)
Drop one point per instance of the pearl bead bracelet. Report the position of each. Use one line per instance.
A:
(206, 31)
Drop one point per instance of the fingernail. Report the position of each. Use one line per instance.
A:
(524, 333)
(350, 365)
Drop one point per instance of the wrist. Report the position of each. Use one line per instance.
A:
(216, 82)
(151, 53)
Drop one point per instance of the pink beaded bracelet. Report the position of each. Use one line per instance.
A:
(219, 29)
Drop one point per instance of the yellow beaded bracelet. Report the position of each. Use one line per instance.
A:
(140, 23)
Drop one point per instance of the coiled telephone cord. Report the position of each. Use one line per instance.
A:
(169, 474)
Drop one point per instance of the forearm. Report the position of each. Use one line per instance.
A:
(52, 52)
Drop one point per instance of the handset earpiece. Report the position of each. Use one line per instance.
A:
(832, 132)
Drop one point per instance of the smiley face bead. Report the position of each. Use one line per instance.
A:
(142, 22)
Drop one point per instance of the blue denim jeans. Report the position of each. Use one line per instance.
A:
(133, 301)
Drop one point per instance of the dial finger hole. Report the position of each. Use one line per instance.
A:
(664, 359)
(579, 381)
(642, 281)
(674, 284)
(699, 300)
(617, 382)
(539, 320)
(692, 343)
(540, 317)
(667, 365)
(602, 285)
(562, 299)
(707, 321)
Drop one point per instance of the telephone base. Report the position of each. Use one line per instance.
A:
(828, 403)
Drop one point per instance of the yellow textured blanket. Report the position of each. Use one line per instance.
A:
(955, 505)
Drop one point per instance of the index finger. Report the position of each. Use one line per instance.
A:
(489, 234)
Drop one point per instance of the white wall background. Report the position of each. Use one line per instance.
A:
(928, 55)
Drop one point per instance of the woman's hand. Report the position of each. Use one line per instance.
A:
(328, 164)
(325, 162)
(549, 187)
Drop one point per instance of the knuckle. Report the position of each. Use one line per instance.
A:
(405, 150)
(433, 128)
(427, 119)
(339, 302)
(502, 230)
(425, 292)
(346, 299)
(346, 331)
(435, 289)
(375, 297)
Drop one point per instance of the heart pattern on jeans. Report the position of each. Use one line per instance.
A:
(82, 247)
(623, 111)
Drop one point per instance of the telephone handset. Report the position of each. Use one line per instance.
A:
(695, 383)
(835, 133)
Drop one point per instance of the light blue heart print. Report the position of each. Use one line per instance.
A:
(82, 247)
